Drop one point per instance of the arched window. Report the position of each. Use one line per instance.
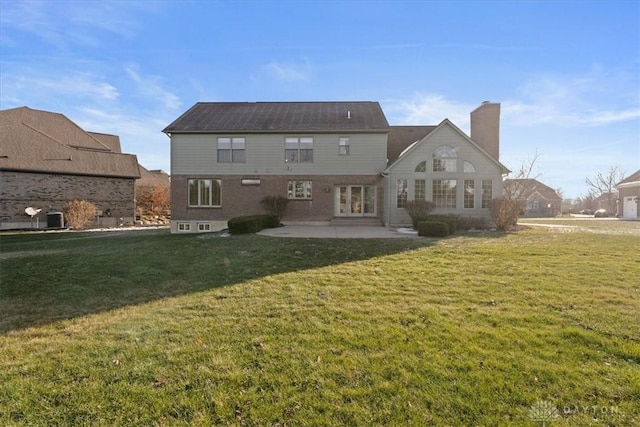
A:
(422, 166)
(468, 167)
(445, 159)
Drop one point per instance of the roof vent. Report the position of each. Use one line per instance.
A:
(349, 114)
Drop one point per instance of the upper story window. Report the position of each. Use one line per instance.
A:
(231, 150)
(445, 159)
(422, 166)
(468, 167)
(204, 192)
(298, 150)
(343, 146)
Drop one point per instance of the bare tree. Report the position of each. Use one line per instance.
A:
(515, 186)
(603, 187)
(507, 208)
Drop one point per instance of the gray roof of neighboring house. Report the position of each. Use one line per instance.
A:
(281, 117)
(41, 141)
(400, 137)
(530, 186)
(634, 177)
(153, 178)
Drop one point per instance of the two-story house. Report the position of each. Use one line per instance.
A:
(333, 160)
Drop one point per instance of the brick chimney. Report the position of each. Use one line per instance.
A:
(485, 127)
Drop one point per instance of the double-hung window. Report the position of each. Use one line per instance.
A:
(298, 150)
(487, 192)
(343, 146)
(469, 193)
(419, 189)
(401, 193)
(300, 190)
(204, 192)
(231, 150)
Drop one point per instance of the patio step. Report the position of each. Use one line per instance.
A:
(369, 222)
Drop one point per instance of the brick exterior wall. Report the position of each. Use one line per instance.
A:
(50, 192)
(238, 199)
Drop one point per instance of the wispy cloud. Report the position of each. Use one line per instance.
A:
(151, 87)
(595, 98)
(428, 109)
(82, 85)
(288, 72)
(64, 24)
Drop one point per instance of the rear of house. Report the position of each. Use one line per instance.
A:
(325, 157)
(336, 162)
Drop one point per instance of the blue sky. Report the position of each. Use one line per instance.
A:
(566, 73)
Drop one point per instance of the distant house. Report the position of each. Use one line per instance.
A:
(336, 162)
(607, 201)
(629, 196)
(537, 198)
(47, 160)
(152, 192)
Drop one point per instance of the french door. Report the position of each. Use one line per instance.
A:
(355, 200)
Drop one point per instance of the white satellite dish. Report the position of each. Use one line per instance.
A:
(32, 211)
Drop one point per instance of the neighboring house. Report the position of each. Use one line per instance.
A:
(46, 160)
(335, 161)
(629, 196)
(538, 199)
(608, 202)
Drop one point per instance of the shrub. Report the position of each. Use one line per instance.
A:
(451, 221)
(418, 210)
(275, 205)
(79, 213)
(505, 212)
(433, 229)
(252, 223)
(153, 199)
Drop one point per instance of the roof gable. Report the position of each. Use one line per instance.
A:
(280, 117)
(40, 141)
(634, 177)
(425, 139)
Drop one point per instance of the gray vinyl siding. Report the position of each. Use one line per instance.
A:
(196, 154)
(404, 168)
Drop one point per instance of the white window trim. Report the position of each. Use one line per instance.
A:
(291, 189)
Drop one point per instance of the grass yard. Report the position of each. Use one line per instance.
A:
(152, 329)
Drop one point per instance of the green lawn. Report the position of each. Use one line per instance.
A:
(152, 329)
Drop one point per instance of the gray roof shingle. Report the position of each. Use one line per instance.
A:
(400, 137)
(281, 117)
(42, 141)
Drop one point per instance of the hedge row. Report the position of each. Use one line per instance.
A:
(451, 221)
(252, 223)
(433, 229)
